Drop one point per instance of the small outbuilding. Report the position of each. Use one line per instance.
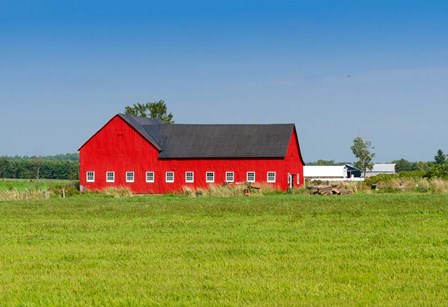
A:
(332, 173)
(381, 168)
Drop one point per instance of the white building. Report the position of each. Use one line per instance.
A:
(332, 173)
(381, 168)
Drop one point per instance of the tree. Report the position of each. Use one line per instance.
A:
(4, 167)
(37, 164)
(422, 166)
(362, 150)
(156, 109)
(440, 157)
(404, 165)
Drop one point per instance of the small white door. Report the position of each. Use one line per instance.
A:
(291, 180)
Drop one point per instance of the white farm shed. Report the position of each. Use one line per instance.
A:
(381, 168)
(329, 173)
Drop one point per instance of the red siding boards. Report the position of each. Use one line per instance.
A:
(118, 147)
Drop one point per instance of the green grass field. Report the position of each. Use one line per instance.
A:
(383, 249)
(29, 184)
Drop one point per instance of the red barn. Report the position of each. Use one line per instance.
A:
(148, 156)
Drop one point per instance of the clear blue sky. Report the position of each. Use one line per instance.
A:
(335, 68)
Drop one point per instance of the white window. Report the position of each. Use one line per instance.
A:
(129, 176)
(271, 177)
(298, 179)
(189, 176)
(90, 176)
(110, 176)
(149, 176)
(230, 176)
(210, 177)
(169, 177)
(250, 177)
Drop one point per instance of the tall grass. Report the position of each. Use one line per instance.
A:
(31, 184)
(415, 184)
(230, 190)
(24, 189)
(439, 185)
(118, 192)
(24, 194)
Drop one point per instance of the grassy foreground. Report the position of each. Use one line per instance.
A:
(389, 249)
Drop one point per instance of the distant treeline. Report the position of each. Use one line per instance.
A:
(326, 163)
(65, 166)
(401, 165)
(60, 157)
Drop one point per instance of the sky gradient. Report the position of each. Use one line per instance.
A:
(335, 68)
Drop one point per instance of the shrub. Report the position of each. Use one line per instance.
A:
(413, 174)
(379, 178)
(67, 189)
(438, 171)
(408, 184)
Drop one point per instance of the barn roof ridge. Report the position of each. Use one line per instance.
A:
(216, 141)
(156, 121)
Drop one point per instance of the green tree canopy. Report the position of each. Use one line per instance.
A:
(438, 170)
(4, 167)
(30, 168)
(404, 165)
(440, 157)
(362, 151)
(156, 109)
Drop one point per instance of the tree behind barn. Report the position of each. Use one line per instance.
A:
(156, 109)
(362, 151)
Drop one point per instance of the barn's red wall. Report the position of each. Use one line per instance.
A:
(119, 148)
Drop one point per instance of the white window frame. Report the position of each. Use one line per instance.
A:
(191, 180)
(247, 176)
(166, 177)
(93, 176)
(227, 177)
(133, 176)
(107, 176)
(206, 177)
(151, 174)
(271, 180)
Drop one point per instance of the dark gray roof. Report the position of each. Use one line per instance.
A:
(214, 141)
(351, 167)
(139, 122)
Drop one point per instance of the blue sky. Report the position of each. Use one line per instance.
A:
(335, 68)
